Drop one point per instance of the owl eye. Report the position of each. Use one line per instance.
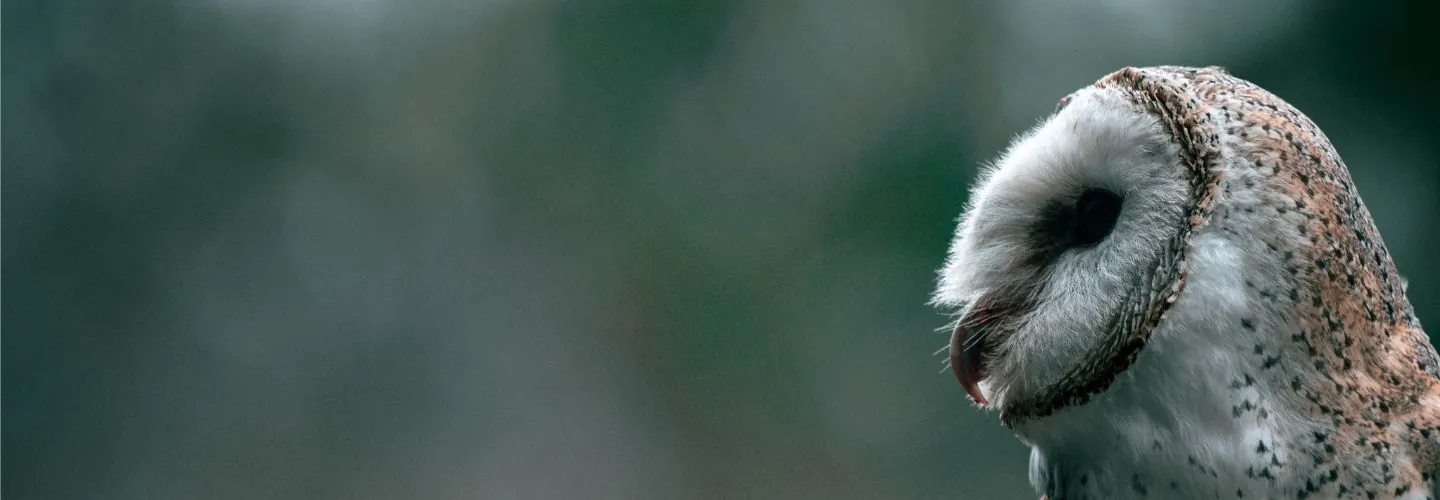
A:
(1095, 215)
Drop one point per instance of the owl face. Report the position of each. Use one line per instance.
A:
(1062, 247)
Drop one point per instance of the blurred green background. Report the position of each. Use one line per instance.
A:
(601, 249)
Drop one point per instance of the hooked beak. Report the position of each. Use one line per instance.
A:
(967, 350)
(975, 338)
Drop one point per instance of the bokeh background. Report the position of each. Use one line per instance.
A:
(601, 249)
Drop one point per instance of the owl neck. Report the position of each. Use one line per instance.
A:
(1232, 388)
(1188, 412)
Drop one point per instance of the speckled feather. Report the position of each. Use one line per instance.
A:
(1360, 359)
(1309, 346)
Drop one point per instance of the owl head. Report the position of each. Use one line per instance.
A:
(1175, 213)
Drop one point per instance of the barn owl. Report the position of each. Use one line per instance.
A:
(1171, 289)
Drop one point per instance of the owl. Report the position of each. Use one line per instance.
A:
(1171, 289)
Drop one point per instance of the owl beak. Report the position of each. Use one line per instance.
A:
(967, 349)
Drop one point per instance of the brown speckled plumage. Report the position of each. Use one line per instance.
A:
(1360, 361)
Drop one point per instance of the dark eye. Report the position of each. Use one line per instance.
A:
(1095, 214)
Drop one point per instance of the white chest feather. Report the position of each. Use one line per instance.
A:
(1194, 416)
(1188, 420)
